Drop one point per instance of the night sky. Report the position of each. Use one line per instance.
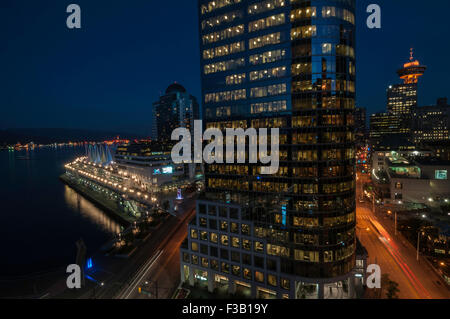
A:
(106, 75)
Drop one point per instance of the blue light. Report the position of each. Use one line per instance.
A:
(258, 178)
(283, 214)
(89, 263)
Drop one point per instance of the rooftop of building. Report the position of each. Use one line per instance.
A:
(144, 148)
(443, 143)
(433, 161)
(394, 142)
(175, 88)
(440, 103)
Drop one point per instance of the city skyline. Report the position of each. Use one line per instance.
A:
(133, 71)
(137, 163)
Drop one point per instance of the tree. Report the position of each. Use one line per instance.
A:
(391, 287)
(392, 292)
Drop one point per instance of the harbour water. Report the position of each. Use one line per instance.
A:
(40, 217)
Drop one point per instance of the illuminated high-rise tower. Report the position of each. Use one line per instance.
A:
(412, 70)
(287, 64)
(403, 97)
(176, 108)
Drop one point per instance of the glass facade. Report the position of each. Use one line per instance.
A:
(295, 70)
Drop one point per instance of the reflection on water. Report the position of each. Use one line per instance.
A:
(88, 210)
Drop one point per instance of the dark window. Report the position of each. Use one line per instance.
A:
(214, 251)
(271, 264)
(235, 256)
(224, 254)
(234, 213)
(286, 267)
(202, 209)
(259, 262)
(213, 224)
(204, 249)
(223, 212)
(212, 210)
(247, 259)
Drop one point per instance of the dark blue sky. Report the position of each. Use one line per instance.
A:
(107, 74)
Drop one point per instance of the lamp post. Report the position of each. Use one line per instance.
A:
(418, 244)
(373, 201)
(395, 223)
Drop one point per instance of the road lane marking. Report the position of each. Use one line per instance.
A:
(139, 275)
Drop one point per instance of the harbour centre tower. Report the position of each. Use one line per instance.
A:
(287, 64)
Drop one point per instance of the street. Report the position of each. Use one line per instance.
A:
(160, 275)
(396, 256)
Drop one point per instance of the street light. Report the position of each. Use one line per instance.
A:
(418, 241)
(395, 223)
(418, 244)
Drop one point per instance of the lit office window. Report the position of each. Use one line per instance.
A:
(267, 57)
(265, 6)
(303, 13)
(224, 66)
(226, 96)
(217, 4)
(222, 19)
(268, 73)
(270, 90)
(224, 50)
(268, 22)
(223, 34)
(235, 79)
(307, 31)
(269, 107)
(262, 41)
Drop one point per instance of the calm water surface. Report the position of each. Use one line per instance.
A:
(40, 217)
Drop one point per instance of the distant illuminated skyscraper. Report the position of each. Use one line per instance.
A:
(402, 98)
(176, 108)
(432, 123)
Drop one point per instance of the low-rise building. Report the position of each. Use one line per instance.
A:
(419, 180)
(149, 164)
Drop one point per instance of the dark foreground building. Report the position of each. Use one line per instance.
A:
(289, 65)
